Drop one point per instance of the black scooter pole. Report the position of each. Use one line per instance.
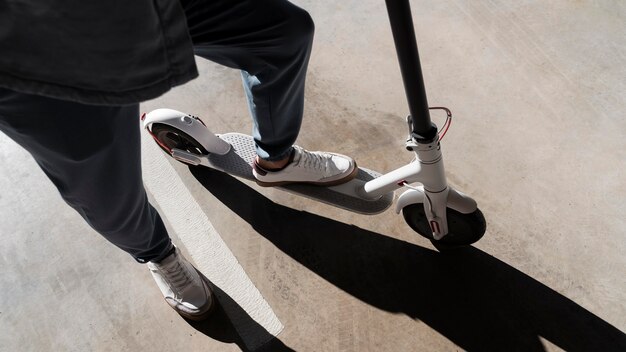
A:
(406, 47)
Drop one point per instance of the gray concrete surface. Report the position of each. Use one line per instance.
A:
(537, 90)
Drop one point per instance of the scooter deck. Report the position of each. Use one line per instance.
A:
(238, 161)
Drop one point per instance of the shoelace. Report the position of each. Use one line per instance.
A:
(177, 277)
(317, 161)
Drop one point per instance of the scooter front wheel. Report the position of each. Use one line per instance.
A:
(463, 229)
(171, 137)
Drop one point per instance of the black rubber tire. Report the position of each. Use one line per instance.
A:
(463, 229)
(175, 138)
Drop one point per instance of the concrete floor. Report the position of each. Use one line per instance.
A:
(537, 89)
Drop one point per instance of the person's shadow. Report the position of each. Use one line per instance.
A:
(219, 327)
(473, 299)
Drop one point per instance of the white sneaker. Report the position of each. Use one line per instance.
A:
(182, 286)
(319, 168)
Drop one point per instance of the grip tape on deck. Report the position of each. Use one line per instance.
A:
(238, 163)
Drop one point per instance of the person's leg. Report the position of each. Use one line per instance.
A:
(92, 155)
(270, 41)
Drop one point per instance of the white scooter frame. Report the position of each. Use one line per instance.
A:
(434, 209)
(427, 168)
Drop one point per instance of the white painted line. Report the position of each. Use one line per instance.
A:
(207, 249)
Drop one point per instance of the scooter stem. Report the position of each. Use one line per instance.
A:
(423, 130)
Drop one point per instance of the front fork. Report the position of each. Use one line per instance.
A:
(434, 194)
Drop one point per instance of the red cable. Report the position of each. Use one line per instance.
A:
(445, 128)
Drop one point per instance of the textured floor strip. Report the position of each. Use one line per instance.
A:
(250, 314)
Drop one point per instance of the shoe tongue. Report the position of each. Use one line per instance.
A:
(168, 261)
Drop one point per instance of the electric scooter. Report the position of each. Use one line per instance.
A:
(435, 210)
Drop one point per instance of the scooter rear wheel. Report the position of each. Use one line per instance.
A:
(463, 229)
(172, 138)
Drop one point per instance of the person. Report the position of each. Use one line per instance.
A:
(72, 74)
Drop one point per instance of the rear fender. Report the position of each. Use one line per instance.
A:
(189, 124)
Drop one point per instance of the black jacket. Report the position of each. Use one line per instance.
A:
(110, 52)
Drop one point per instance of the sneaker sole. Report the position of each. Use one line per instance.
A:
(345, 179)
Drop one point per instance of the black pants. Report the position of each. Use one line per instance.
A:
(92, 153)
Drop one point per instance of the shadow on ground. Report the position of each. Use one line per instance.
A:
(219, 327)
(473, 299)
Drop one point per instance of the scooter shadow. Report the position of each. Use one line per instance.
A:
(473, 299)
